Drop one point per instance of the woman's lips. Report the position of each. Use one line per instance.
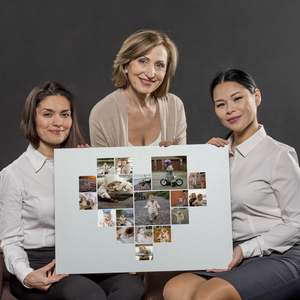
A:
(56, 131)
(146, 81)
(233, 119)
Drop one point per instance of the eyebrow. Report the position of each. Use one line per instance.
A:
(51, 110)
(230, 96)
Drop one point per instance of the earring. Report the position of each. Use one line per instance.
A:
(126, 71)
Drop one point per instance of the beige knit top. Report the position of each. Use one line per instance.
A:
(109, 120)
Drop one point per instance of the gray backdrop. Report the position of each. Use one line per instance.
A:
(75, 42)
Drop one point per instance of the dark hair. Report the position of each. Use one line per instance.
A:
(141, 43)
(235, 75)
(28, 123)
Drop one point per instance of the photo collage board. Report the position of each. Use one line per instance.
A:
(138, 203)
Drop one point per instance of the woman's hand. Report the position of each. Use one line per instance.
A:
(44, 277)
(218, 142)
(83, 146)
(166, 143)
(237, 257)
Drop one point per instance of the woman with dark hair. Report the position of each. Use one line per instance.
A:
(265, 198)
(27, 230)
(141, 112)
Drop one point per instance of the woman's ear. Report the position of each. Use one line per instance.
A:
(257, 96)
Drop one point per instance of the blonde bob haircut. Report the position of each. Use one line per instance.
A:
(138, 44)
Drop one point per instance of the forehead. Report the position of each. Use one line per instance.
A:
(157, 53)
(55, 102)
(228, 89)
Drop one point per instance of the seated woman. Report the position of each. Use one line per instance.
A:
(141, 112)
(27, 231)
(265, 193)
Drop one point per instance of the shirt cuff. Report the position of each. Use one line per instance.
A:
(251, 248)
(21, 270)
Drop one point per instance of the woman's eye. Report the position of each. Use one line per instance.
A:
(237, 98)
(220, 105)
(66, 115)
(161, 66)
(47, 115)
(142, 61)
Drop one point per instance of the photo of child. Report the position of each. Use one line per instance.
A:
(123, 165)
(197, 180)
(169, 172)
(87, 184)
(152, 208)
(162, 234)
(198, 198)
(88, 201)
(142, 182)
(143, 252)
(179, 198)
(114, 192)
(105, 166)
(125, 217)
(125, 235)
(144, 235)
(180, 215)
(106, 218)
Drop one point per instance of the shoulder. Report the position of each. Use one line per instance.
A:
(171, 99)
(277, 152)
(15, 166)
(108, 103)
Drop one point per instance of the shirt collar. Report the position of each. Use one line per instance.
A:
(36, 158)
(246, 147)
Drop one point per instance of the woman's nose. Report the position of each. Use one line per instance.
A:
(150, 71)
(57, 121)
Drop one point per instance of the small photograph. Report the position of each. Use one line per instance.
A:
(169, 173)
(123, 165)
(125, 235)
(152, 208)
(87, 201)
(180, 215)
(106, 218)
(142, 182)
(179, 198)
(143, 252)
(197, 180)
(114, 192)
(144, 234)
(162, 234)
(198, 198)
(105, 166)
(125, 217)
(87, 184)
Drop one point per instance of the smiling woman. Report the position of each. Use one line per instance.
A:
(27, 229)
(264, 186)
(141, 112)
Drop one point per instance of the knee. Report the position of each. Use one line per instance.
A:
(133, 286)
(172, 291)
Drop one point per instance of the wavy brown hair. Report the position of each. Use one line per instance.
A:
(141, 43)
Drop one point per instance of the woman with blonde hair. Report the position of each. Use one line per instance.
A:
(141, 112)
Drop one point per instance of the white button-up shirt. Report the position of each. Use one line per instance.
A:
(265, 195)
(26, 209)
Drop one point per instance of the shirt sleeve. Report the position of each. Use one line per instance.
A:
(285, 183)
(11, 229)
